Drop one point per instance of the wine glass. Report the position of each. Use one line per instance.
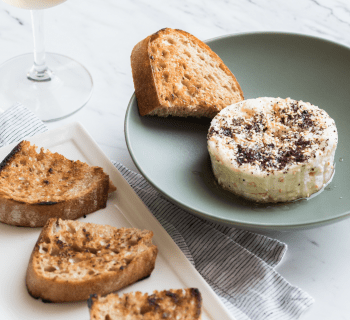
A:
(54, 86)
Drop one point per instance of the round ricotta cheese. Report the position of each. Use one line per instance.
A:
(272, 149)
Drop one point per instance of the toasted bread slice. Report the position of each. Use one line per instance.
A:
(177, 74)
(37, 186)
(72, 260)
(181, 304)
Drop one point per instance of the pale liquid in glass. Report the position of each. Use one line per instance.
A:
(34, 4)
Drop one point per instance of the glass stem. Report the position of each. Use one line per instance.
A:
(39, 70)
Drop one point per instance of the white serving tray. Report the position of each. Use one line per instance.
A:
(124, 209)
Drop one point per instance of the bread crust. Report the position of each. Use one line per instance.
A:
(145, 79)
(35, 215)
(145, 88)
(54, 289)
(25, 209)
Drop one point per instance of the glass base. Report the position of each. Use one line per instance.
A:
(67, 91)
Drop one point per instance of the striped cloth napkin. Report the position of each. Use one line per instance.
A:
(238, 265)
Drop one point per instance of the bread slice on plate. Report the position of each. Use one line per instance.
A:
(176, 74)
(181, 304)
(35, 186)
(72, 260)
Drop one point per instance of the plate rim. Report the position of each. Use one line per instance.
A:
(206, 215)
(295, 34)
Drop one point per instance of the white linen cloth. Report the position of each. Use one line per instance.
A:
(237, 264)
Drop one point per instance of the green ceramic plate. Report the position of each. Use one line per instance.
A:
(171, 153)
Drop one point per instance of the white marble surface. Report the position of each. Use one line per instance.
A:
(101, 34)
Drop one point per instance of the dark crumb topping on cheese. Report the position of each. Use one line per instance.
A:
(274, 140)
